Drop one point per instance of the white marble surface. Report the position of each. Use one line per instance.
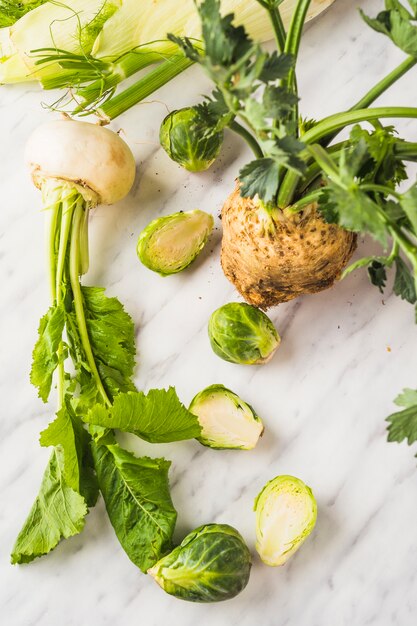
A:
(344, 356)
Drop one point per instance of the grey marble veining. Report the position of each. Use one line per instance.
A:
(344, 356)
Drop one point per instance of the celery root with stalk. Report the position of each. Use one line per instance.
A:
(77, 166)
(89, 47)
(290, 226)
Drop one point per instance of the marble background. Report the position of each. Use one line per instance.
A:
(344, 356)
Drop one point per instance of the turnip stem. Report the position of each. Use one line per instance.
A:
(74, 265)
(248, 137)
(53, 207)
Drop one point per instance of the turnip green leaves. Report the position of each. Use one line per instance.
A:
(138, 502)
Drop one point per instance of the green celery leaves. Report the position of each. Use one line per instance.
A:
(158, 417)
(138, 502)
(398, 23)
(58, 512)
(403, 424)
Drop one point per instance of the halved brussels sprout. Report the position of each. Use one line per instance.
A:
(226, 420)
(241, 333)
(211, 564)
(286, 513)
(188, 142)
(169, 244)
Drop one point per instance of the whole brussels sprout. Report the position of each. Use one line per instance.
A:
(187, 142)
(169, 244)
(226, 420)
(241, 333)
(286, 513)
(211, 564)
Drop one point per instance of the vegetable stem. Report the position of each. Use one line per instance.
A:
(277, 23)
(248, 137)
(332, 124)
(292, 46)
(74, 266)
(126, 66)
(155, 79)
(385, 83)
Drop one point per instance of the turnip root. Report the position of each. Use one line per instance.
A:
(273, 258)
(97, 160)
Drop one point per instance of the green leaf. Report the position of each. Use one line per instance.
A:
(278, 102)
(158, 417)
(364, 262)
(138, 502)
(45, 358)
(57, 513)
(378, 275)
(398, 24)
(407, 398)
(403, 425)
(409, 206)
(404, 285)
(276, 67)
(261, 177)
(352, 209)
(112, 338)
(68, 432)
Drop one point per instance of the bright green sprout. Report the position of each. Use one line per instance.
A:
(169, 244)
(226, 420)
(211, 564)
(189, 143)
(241, 333)
(286, 513)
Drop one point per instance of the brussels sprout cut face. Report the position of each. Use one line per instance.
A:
(169, 244)
(211, 564)
(226, 421)
(186, 142)
(286, 513)
(243, 334)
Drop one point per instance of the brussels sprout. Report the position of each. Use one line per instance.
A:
(241, 333)
(187, 142)
(286, 513)
(211, 564)
(226, 420)
(169, 244)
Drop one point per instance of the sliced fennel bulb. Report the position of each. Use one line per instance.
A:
(88, 47)
(110, 28)
(71, 26)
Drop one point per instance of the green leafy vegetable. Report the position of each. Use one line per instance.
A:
(211, 564)
(404, 285)
(226, 420)
(169, 244)
(57, 513)
(189, 140)
(403, 424)
(398, 23)
(68, 433)
(138, 502)
(286, 513)
(240, 333)
(241, 70)
(158, 417)
(45, 353)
